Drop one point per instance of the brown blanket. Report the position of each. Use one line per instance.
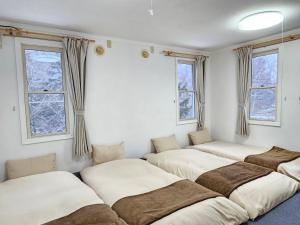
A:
(226, 179)
(149, 207)
(99, 214)
(273, 158)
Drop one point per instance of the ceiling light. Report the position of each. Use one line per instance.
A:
(261, 20)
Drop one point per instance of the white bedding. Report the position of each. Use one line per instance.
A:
(240, 152)
(121, 178)
(257, 197)
(37, 199)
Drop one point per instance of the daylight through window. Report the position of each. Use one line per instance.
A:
(186, 90)
(264, 87)
(44, 91)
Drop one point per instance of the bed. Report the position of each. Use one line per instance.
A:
(256, 197)
(127, 179)
(241, 152)
(286, 213)
(51, 198)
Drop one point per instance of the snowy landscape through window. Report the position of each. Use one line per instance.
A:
(186, 90)
(44, 92)
(264, 87)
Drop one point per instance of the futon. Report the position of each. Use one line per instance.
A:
(259, 194)
(52, 198)
(250, 153)
(143, 194)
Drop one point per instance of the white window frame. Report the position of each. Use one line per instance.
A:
(277, 121)
(178, 120)
(20, 45)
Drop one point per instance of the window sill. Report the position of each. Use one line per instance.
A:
(182, 122)
(35, 140)
(265, 123)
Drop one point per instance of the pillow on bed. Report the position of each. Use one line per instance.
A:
(165, 143)
(25, 167)
(106, 153)
(200, 137)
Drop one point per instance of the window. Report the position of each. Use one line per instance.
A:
(264, 100)
(44, 104)
(186, 102)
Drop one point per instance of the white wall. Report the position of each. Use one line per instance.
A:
(132, 99)
(223, 98)
(128, 99)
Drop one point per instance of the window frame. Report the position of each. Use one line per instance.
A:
(21, 44)
(178, 120)
(262, 52)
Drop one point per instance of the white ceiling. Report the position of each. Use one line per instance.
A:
(201, 24)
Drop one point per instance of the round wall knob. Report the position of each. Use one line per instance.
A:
(99, 50)
(145, 54)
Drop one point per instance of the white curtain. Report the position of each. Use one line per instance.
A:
(76, 52)
(244, 56)
(200, 90)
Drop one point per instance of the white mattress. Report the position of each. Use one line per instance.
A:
(121, 178)
(37, 199)
(240, 152)
(256, 197)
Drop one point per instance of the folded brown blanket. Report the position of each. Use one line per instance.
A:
(226, 179)
(149, 207)
(99, 214)
(273, 158)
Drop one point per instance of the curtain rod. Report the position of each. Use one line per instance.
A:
(288, 38)
(179, 54)
(17, 32)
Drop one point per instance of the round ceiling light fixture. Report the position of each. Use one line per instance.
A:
(261, 20)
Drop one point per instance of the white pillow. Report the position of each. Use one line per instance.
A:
(200, 137)
(26, 167)
(165, 143)
(106, 153)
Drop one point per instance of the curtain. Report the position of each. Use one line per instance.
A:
(244, 56)
(76, 52)
(200, 90)
(1, 40)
